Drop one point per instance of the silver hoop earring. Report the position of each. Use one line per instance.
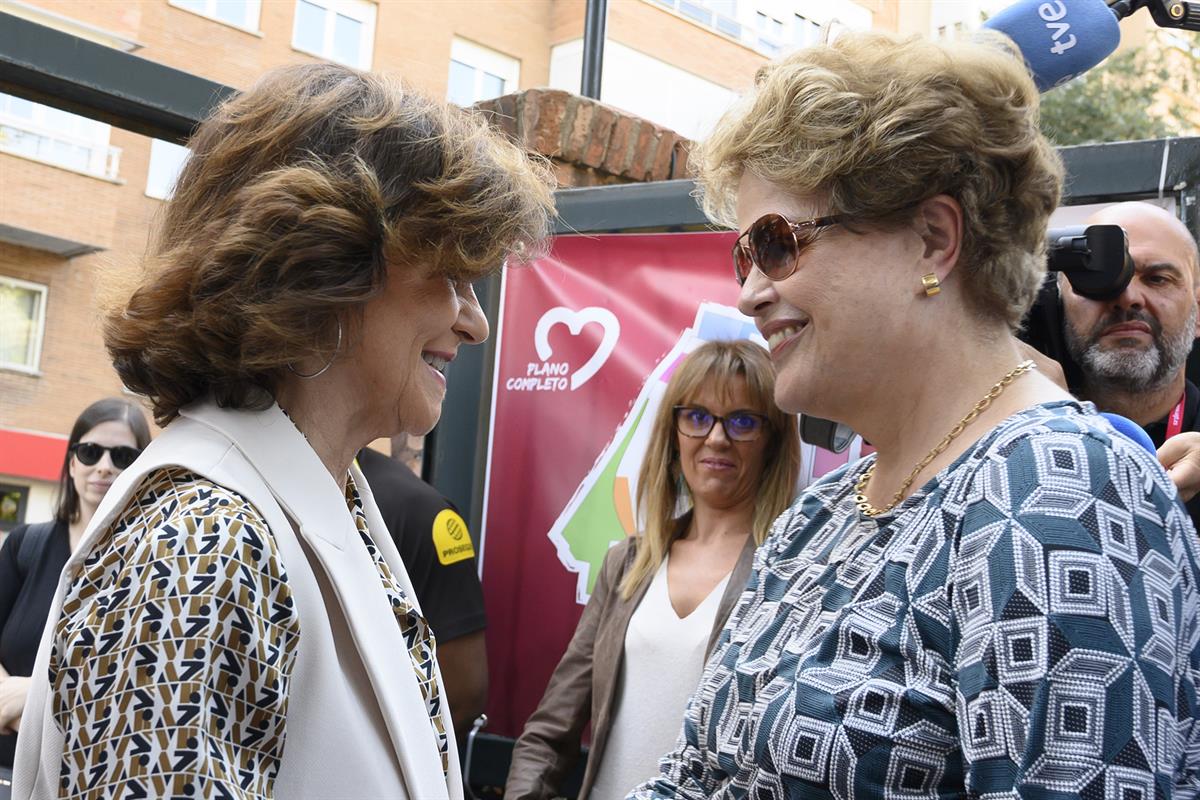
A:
(336, 350)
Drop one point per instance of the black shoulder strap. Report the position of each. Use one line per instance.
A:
(33, 544)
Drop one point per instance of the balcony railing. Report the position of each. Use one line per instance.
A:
(22, 137)
(769, 43)
(727, 26)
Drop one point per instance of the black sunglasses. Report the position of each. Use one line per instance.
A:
(740, 426)
(774, 244)
(89, 453)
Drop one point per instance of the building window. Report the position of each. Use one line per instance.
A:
(770, 33)
(56, 137)
(239, 13)
(805, 32)
(720, 15)
(13, 500)
(337, 30)
(166, 162)
(479, 73)
(22, 323)
(697, 11)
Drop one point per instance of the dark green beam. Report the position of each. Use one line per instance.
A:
(1098, 172)
(1095, 173)
(57, 69)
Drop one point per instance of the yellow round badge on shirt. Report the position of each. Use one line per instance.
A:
(451, 539)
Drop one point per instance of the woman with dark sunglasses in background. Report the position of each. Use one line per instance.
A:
(723, 451)
(106, 438)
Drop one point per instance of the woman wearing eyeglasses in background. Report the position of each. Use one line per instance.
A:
(106, 438)
(723, 450)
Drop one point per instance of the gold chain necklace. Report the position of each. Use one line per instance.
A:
(860, 488)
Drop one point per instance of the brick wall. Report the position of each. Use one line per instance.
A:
(589, 143)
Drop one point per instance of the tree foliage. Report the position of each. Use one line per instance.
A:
(1113, 102)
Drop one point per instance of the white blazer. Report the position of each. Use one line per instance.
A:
(357, 725)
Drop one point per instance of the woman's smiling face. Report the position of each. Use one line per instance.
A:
(720, 472)
(836, 324)
(410, 332)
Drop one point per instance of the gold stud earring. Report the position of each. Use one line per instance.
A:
(932, 284)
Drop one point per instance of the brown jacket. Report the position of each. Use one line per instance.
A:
(584, 682)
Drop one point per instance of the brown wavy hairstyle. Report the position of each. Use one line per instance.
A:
(661, 490)
(873, 124)
(297, 197)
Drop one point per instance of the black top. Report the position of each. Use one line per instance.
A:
(29, 571)
(434, 544)
(1158, 434)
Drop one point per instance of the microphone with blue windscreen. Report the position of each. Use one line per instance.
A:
(1131, 430)
(1059, 38)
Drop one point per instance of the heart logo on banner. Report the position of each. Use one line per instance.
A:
(575, 320)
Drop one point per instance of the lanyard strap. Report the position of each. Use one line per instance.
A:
(1175, 420)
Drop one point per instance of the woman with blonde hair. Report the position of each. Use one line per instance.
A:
(1002, 601)
(237, 621)
(721, 449)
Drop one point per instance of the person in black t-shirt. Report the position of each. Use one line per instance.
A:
(437, 552)
(1132, 351)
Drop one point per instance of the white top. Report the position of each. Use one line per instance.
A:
(664, 656)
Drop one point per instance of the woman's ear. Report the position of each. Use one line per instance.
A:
(939, 223)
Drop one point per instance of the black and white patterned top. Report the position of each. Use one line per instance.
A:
(172, 660)
(1026, 625)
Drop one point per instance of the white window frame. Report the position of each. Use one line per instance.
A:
(806, 31)
(165, 192)
(68, 25)
(361, 11)
(35, 345)
(485, 59)
(251, 22)
(770, 32)
(103, 159)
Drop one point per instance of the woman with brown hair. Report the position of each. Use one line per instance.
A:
(721, 449)
(237, 621)
(1000, 602)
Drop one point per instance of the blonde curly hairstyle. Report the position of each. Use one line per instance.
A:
(874, 123)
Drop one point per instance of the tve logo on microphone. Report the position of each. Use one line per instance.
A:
(1055, 15)
(1059, 38)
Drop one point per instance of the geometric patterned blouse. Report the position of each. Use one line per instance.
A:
(1026, 625)
(172, 659)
